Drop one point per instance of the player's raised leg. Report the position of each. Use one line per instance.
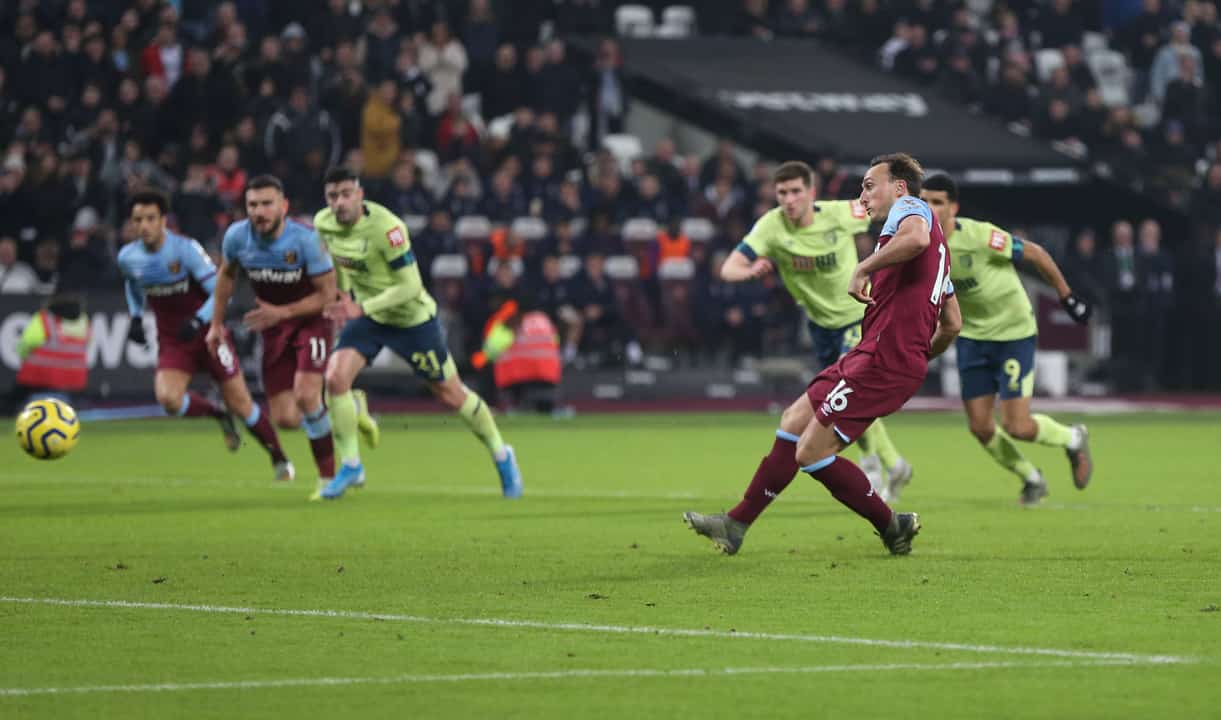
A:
(1042, 429)
(170, 387)
(475, 412)
(775, 472)
(345, 364)
(818, 454)
(238, 400)
(1000, 446)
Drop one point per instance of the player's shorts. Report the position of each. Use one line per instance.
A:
(422, 346)
(830, 344)
(193, 357)
(855, 391)
(293, 347)
(988, 368)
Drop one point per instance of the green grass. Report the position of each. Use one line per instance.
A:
(155, 512)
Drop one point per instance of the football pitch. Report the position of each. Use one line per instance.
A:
(152, 574)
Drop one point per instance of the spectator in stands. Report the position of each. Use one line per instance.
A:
(269, 66)
(1009, 99)
(1166, 64)
(753, 20)
(1185, 97)
(583, 17)
(1059, 25)
(456, 136)
(163, 57)
(505, 201)
(959, 81)
(96, 66)
(1126, 303)
(506, 87)
(608, 97)
(87, 262)
(672, 242)
(1141, 38)
(297, 58)
(918, 60)
(664, 164)
(721, 163)
(297, 131)
(1206, 205)
(1079, 73)
(560, 87)
(46, 264)
(380, 125)
(651, 203)
(16, 277)
(404, 194)
(557, 297)
(797, 19)
(462, 198)
(542, 184)
(445, 61)
(481, 39)
(603, 324)
(82, 186)
(1157, 278)
(1082, 267)
(197, 205)
(381, 45)
(202, 96)
(334, 25)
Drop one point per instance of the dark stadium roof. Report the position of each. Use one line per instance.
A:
(797, 98)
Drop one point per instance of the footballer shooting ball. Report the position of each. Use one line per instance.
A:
(48, 429)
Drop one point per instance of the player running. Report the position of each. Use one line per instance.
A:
(911, 316)
(996, 349)
(176, 278)
(372, 252)
(293, 280)
(813, 246)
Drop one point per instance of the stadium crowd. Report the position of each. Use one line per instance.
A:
(465, 108)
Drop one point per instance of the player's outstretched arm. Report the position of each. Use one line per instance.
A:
(740, 268)
(221, 293)
(949, 324)
(1078, 309)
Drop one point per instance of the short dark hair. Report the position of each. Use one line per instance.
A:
(340, 174)
(794, 170)
(149, 196)
(902, 167)
(943, 183)
(260, 182)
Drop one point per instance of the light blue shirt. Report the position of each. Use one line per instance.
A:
(166, 272)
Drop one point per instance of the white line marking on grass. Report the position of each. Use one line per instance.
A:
(616, 629)
(551, 675)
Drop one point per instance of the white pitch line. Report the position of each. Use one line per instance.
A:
(551, 675)
(616, 629)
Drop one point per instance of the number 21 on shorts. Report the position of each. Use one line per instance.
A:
(837, 399)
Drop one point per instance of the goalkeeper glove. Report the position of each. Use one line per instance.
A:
(1078, 309)
(135, 331)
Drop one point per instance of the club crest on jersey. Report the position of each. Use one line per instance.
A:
(290, 257)
(175, 267)
(396, 237)
(997, 241)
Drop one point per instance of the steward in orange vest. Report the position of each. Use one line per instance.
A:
(525, 351)
(53, 348)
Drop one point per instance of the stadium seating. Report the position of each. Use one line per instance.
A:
(634, 21)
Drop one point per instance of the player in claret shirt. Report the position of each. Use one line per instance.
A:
(391, 309)
(293, 279)
(911, 316)
(175, 277)
(813, 246)
(996, 349)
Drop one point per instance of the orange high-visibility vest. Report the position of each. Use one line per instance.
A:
(60, 362)
(534, 355)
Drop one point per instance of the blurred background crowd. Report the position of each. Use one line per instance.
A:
(477, 121)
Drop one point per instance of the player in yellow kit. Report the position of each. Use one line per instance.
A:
(813, 246)
(997, 343)
(372, 254)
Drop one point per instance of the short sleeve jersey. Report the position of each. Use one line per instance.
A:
(815, 262)
(907, 297)
(171, 278)
(995, 306)
(279, 268)
(368, 254)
